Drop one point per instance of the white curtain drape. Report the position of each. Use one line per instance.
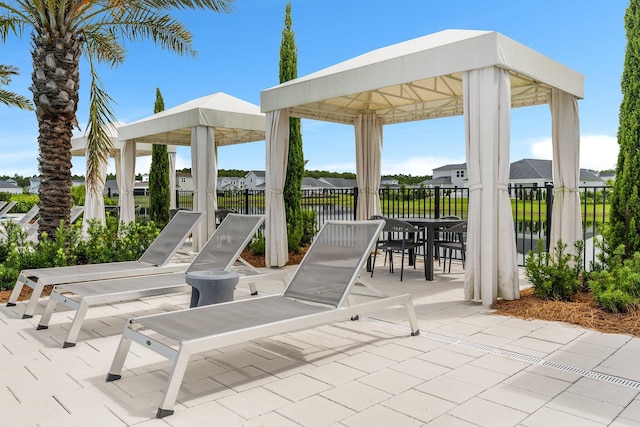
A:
(368, 132)
(94, 200)
(491, 270)
(204, 171)
(127, 182)
(172, 179)
(565, 135)
(277, 144)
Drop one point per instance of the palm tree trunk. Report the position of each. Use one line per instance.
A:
(55, 94)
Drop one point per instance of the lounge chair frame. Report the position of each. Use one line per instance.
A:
(6, 208)
(155, 260)
(81, 296)
(306, 313)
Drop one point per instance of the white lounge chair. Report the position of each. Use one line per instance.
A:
(154, 261)
(6, 208)
(32, 230)
(25, 221)
(221, 251)
(316, 294)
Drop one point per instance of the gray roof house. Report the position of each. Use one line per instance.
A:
(10, 187)
(526, 172)
(538, 172)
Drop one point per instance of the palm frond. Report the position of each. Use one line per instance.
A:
(103, 46)
(220, 6)
(9, 98)
(100, 117)
(14, 100)
(137, 24)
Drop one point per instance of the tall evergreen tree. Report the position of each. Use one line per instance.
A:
(159, 191)
(625, 200)
(295, 166)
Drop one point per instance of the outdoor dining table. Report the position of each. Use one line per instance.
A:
(430, 225)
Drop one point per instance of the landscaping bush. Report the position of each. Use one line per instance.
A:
(309, 226)
(257, 244)
(24, 202)
(617, 288)
(555, 277)
(105, 244)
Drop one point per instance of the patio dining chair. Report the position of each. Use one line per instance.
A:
(400, 237)
(453, 240)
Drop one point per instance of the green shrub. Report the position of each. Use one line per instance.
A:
(24, 202)
(554, 277)
(617, 289)
(257, 244)
(309, 226)
(105, 244)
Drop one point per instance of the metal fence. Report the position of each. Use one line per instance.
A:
(532, 207)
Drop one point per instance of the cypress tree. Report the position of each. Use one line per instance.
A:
(159, 196)
(624, 218)
(295, 166)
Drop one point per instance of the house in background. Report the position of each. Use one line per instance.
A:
(537, 172)
(230, 183)
(448, 176)
(525, 172)
(34, 184)
(10, 186)
(184, 181)
(254, 180)
(343, 183)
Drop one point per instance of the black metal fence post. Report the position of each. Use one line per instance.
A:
(355, 203)
(436, 205)
(549, 188)
(246, 201)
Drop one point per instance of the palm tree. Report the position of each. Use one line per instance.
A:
(9, 98)
(63, 31)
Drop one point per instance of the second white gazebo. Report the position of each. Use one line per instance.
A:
(480, 74)
(204, 124)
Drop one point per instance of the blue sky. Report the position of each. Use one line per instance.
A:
(238, 54)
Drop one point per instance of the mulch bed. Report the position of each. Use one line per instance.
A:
(581, 310)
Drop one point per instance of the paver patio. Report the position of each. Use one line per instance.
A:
(468, 367)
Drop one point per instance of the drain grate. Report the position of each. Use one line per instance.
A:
(521, 357)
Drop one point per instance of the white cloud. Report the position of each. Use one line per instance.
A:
(597, 152)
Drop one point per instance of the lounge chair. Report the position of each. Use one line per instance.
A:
(32, 230)
(317, 293)
(154, 261)
(6, 208)
(25, 221)
(221, 251)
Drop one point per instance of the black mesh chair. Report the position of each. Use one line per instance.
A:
(453, 239)
(397, 236)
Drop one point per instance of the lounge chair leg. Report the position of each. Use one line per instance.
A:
(15, 293)
(72, 335)
(411, 314)
(253, 289)
(33, 301)
(173, 386)
(115, 372)
(46, 316)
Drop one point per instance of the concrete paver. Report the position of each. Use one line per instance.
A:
(469, 367)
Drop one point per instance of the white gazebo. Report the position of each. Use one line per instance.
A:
(94, 202)
(204, 124)
(478, 74)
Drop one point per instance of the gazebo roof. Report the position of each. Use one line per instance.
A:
(420, 79)
(79, 143)
(235, 121)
